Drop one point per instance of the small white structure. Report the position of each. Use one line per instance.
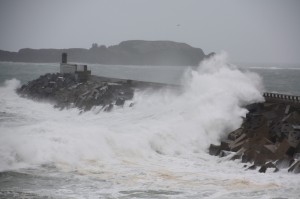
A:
(68, 68)
(80, 71)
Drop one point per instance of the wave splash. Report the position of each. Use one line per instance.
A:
(162, 123)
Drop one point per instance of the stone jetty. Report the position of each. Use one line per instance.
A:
(74, 86)
(269, 137)
(65, 91)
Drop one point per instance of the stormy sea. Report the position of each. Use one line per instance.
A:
(156, 149)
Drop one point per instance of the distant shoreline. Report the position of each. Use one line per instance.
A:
(133, 52)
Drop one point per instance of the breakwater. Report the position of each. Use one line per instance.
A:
(269, 137)
(64, 91)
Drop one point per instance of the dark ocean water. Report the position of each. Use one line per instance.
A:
(282, 79)
(279, 78)
(155, 149)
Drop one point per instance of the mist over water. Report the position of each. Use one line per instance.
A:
(158, 144)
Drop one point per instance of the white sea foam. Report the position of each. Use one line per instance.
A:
(160, 143)
(161, 122)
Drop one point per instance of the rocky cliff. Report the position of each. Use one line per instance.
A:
(134, 52)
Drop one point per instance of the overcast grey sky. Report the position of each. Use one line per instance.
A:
(249, 30)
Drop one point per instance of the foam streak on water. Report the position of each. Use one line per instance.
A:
(155, 149)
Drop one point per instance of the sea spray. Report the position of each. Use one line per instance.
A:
(163, 122)
(130, 152)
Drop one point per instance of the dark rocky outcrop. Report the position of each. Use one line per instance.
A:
(65, 92)
(268, 138)
(134, 52)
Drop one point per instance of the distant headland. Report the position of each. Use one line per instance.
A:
(132, 52)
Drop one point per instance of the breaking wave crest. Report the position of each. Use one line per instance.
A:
(164, 122)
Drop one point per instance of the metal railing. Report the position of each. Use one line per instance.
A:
(282, 97)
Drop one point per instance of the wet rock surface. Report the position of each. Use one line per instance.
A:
(269, 138)
(65, 92)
